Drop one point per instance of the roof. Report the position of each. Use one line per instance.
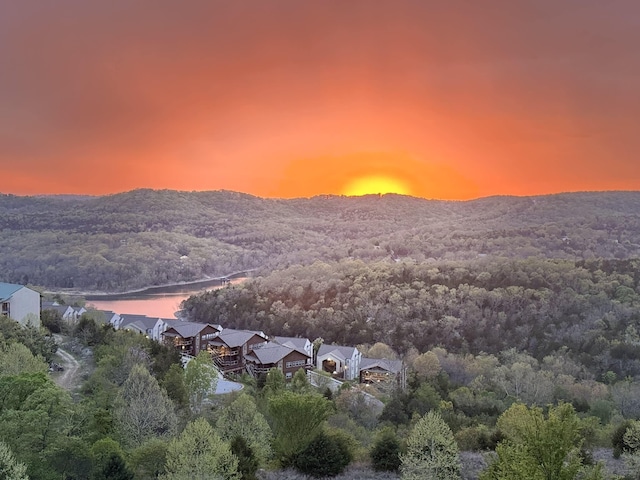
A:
(339, 351)
(236, 338)
(8, 289)
(296, 343)
(271, 352)
(62, 309)
(141, 320)
(187, 329)
(393, 366)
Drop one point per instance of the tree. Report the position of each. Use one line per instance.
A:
(275, 382)
(148, 460)
(142, 409)
(10, 468)
(536, 447)
(427, 365)
(385, 454)
(242, 419)
(15, 359)
(200, 454)
(432, 452)
(631, 454)
(296, 418)
(248, 463)
(174, 384)
(325, 456)
(300, 383)
(106, 455)
(201, 378)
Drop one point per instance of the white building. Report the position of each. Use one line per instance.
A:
(342, 362)
(20, 303)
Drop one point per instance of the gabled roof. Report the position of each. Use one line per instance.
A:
(392, 366)
(142, 320)
(108, 315)
(188, 329)
(61, 309)
(236, 338)
(296, 343)
(271, 352)
(7, 290)
(338, 351)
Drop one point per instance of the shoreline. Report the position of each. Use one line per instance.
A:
(174, 287)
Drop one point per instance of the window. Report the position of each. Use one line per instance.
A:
(289, 375)
(5, 309)
(296, 363)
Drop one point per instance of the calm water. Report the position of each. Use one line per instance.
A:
(151, 304)
(163, 306)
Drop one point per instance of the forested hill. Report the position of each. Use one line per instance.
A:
(147, 237)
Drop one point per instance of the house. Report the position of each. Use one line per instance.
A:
(105, 317)
(229, 348)
(382, 371)
(20, 303)
(138, 323)
(67, 312)
(270, 355)
(190, 337)
(340, 361)
(301, 344)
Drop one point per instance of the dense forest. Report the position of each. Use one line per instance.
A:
(517, 320)
(145, 237)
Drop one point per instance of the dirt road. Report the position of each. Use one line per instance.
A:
(67, 379)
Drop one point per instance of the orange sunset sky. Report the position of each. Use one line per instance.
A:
(450, 99)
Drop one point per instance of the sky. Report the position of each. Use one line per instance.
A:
(447, 99)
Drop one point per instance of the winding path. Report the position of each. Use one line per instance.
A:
(67, 379)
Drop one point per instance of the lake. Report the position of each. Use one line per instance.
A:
(150, 304)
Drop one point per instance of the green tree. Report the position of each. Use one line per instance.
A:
(325, 456)
(200, 454)
(631, 454)
(300, 383)
(385, 453)
(432, 452)
(536, 447)
(275, 382)
(248, 463)
(15, 359)
(142, 409)
(10, 468)
(148, 460)
(297, 419)
(174, 384)
(241, 418)
(201, 378)
(107, 459)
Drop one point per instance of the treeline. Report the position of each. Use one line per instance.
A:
(587, 309)
(145, 237)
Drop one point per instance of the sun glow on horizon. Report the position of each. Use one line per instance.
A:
(375, 184)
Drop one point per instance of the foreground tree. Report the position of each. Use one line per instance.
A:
(539, 448)
(10, 468)
(201, 378)
(143, 410)
(297, 419)
(242, 419)
(432, 452)
(200, 454)
(325, 456)
(385, 453)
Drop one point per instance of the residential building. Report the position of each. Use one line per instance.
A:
(20, 303)
(380, 371)
(189, 337)
(270, 355)
(230, 347)
(341, 361)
